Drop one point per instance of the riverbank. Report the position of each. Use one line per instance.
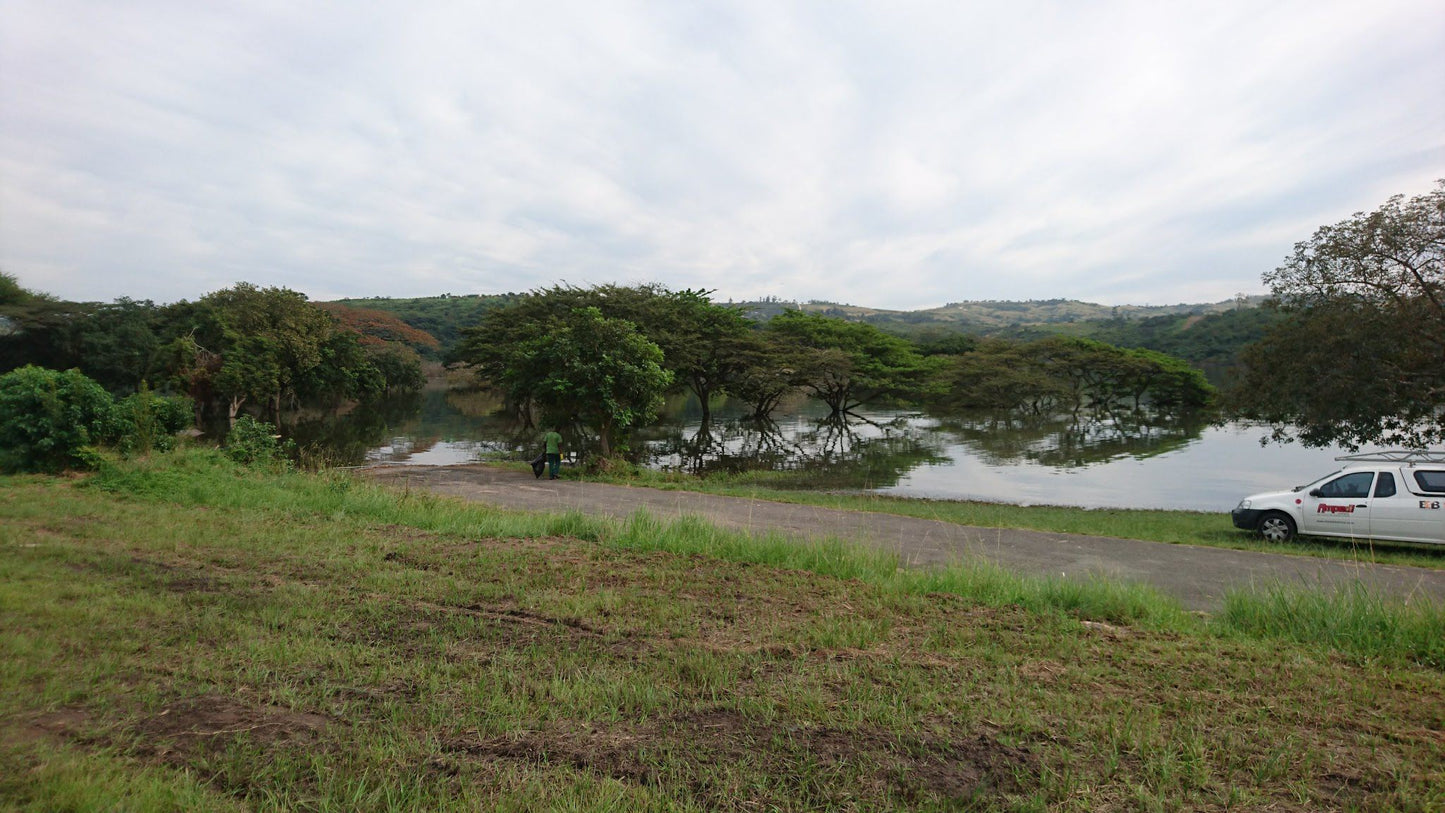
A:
(185, 634)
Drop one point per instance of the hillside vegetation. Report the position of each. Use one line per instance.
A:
(987, 315)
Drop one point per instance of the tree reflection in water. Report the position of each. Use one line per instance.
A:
(468, 424)
(808, 449)
(1074, 440)
(847, 451)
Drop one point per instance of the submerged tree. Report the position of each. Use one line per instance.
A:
(1360, 356)
(847, 364)
(1062, 374)
(703, 344)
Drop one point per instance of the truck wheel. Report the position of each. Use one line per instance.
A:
(1276, 527)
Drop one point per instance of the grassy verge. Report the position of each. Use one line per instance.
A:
(1174, 527)
(184, 634)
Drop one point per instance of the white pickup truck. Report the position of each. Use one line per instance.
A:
(1395, 495)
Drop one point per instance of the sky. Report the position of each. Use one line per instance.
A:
(888, 154)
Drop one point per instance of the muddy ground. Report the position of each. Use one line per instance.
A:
(1197, 576)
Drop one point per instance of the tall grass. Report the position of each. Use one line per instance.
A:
(54, 778)
(1353, 620)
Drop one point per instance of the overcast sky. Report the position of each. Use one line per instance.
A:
(893, 154)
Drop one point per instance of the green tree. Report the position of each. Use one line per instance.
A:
(11, 292)
(848, 364)
(701, 342)
(1061, 374)
(39, 330)
(399, 367)
(1164, 381)
(601, 372)
(704, 345)
(1359, 356)
(345, 371)
(770, 369)
(269, 341)
(1001, 375)
(120, 345)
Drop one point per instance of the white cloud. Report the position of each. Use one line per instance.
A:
(898, 156)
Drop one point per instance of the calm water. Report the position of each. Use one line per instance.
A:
(1096, 462)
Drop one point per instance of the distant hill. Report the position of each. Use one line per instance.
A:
(1210, 341)
(987, 315)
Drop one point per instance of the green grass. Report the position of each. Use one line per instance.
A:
(1352, 620)
(1174, 527)
(183, 634)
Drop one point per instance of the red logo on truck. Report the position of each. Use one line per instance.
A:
(1335, 509)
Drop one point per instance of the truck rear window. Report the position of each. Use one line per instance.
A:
(1431, 481)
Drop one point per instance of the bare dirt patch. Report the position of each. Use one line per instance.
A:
(208, 723)
(60, 724)
(702, 746)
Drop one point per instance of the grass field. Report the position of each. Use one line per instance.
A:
(184, 634)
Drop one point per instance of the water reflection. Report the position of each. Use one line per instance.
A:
(1072, 440)
(1124, 459)
(433, 427)
(827, 451)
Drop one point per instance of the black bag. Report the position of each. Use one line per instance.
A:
(539, 465)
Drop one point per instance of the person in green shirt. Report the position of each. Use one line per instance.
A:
(554, 452)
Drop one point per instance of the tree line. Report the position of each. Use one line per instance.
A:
(1354, 352)
(243, 348)
(601, 359)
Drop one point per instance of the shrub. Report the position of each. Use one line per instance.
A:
(146, 421)
(255, 443)
(49, 420)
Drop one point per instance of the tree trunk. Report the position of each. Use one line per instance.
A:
(604, 438)
(704, 394)
(233, 408)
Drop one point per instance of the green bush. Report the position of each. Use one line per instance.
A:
(49, 420)
(255, 443)
(145, 421)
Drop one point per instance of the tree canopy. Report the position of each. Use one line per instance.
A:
(1359, 357)
(702, 343)
(1064, 375)
(240, 347)
(847, 364)
(598, 371)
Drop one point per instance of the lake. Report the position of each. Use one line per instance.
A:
(1092, 461)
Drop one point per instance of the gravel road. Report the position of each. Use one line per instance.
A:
(1197, 576)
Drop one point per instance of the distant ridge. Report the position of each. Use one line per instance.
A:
(985, 315)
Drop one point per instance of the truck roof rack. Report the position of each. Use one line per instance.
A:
(1409, 456)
